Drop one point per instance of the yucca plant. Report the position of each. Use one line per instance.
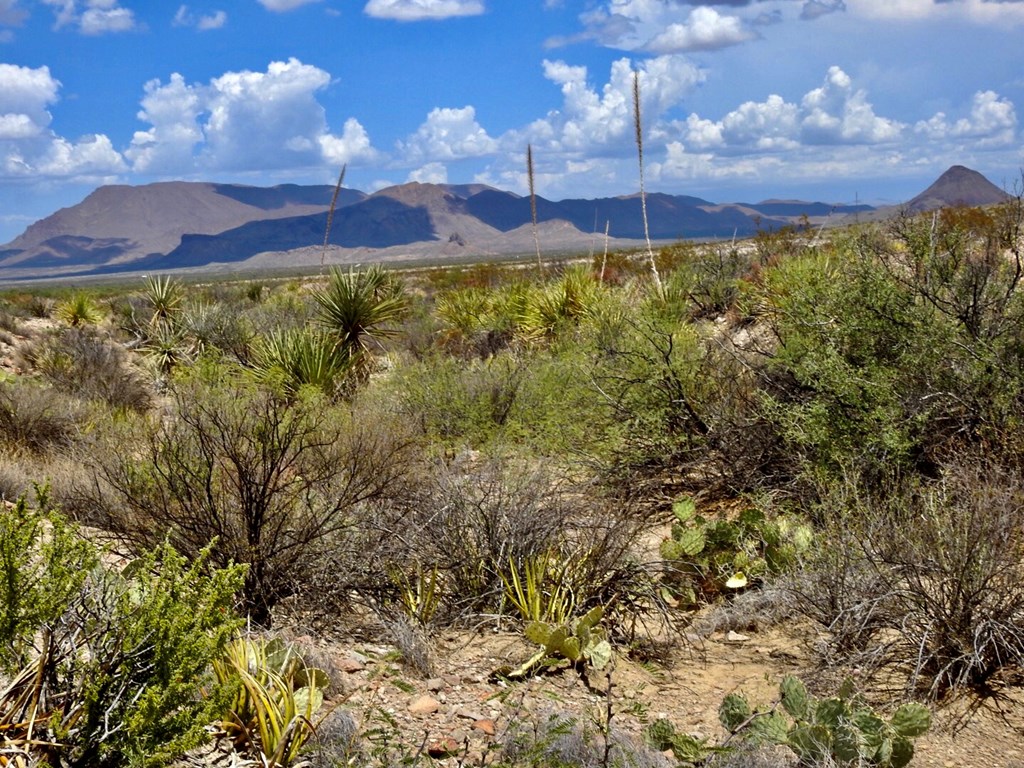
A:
(303, 357)
(79, 309)
(165, 296)
(271, 715)
(360, 307)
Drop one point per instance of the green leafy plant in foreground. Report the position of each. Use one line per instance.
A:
(106, 667)
(706, 558)
(842, 728)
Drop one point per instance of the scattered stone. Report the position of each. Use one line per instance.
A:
(469, 714)
(351, 665)
(441, 748)
(424, 705)
(485, 726)
(735, 637)
(435, 684)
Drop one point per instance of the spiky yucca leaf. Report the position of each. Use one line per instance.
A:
(302, 357)
(361, 306)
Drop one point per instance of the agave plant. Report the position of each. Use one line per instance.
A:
(359, 306)
(277, 697)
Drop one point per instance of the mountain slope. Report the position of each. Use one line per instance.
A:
(957, 186)
(121, 224)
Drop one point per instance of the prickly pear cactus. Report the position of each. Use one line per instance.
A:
(583, 641)
(841, 730)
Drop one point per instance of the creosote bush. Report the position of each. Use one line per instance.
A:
(268, 479)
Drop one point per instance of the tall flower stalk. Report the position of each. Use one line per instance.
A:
(638, 124)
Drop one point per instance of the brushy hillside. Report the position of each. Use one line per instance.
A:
(792, 431)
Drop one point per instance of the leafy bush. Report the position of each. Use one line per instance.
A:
(107, 667)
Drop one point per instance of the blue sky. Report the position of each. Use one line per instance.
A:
(830, 100)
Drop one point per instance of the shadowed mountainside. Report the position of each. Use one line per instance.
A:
(172, 225)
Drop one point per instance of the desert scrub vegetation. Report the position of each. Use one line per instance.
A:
(832, 420)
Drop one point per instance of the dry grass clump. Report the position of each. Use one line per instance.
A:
(36, 418)
(926, 575)
(81, 362)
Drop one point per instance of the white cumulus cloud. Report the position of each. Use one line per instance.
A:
(991, 122)
(243, 121)
(661, 26)
(29, 147)
(431, 173)
(977, 11)
(93, 17)
(185, 18)
(447, 134)
(420, 10)
(590, 119)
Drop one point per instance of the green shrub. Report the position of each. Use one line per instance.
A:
(108, 667)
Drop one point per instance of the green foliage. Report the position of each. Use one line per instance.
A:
(164, 295)
(662, 735)
(43, 565)
(111, 664)
(582, 642)
(843, 729)
(302, 358)
(706, 558)
(276, 698)
(78, 310)
(545, 588)
(361, 307)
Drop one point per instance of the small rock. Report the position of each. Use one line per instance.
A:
(452, 679)
(435, 684)
(424, 705)
(445, 747)
(735, 637)
(469, 714)
(485, 726)
(351, 665)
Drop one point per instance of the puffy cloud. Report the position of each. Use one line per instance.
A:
(94, 17)
(28, 147)
(448, 134)
(704, 30)
(242, 121)
(590, 120)
(431, 173)
(284, 5)
(992, 122)
(660, 27)
(420, 10)
(836, 113)
(352, 145)
(185, 18)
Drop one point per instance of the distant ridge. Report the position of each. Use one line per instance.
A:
(200, 225)
(957, 186)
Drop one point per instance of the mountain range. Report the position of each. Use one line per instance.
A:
(206, 226)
